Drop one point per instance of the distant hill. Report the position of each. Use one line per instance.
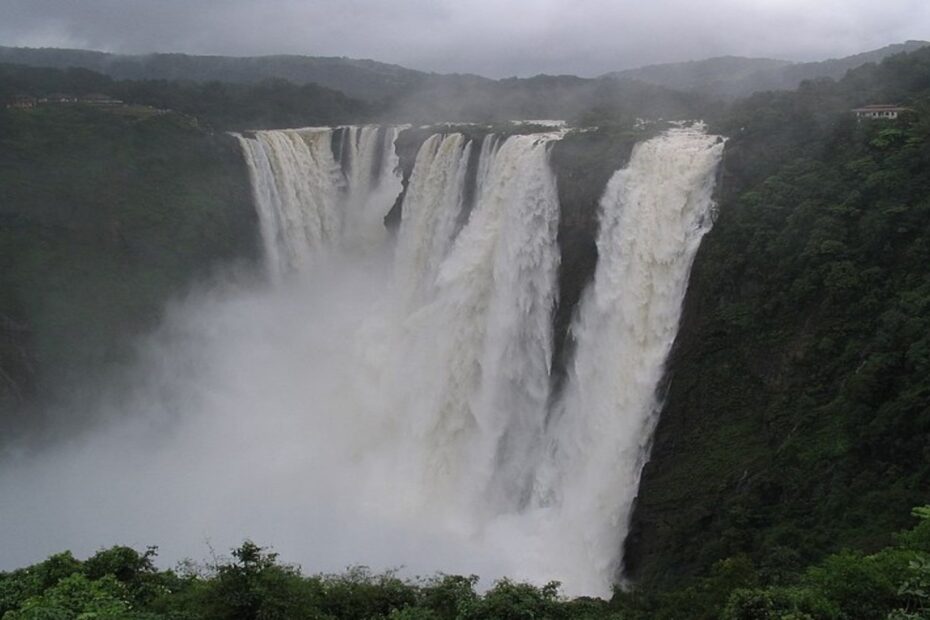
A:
(672, 90)
(734, 76)
(567, 97)
(364, 79)
(724, 74)
(837, 67)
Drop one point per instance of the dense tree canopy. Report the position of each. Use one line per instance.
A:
(121, 583)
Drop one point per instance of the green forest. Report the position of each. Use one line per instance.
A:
(797, 414)
(103, 218)
(123, 583)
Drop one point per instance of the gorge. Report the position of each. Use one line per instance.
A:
(397, 382)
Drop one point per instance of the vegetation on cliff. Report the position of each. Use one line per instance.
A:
(103, 218)
(216, 105)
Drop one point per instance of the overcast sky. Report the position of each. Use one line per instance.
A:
(491, 37)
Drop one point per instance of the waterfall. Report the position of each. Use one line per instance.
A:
(385, 398)
(308, 203)
(466, 433)
(653, 216)
(482, 341)
(431, 206)
(467, 420)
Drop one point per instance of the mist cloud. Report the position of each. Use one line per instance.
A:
(489, 37)
(236, 427)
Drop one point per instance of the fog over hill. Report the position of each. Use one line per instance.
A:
(735, 76)
(725, 76)
(365, 79)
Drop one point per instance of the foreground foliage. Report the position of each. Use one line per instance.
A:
(121, 583)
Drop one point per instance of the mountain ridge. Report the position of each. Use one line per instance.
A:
(722, 76)
(739, 76)
(361, 78)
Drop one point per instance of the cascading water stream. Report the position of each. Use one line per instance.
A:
(654, 214)
(308, 203)
(431, 206)
(482, 341)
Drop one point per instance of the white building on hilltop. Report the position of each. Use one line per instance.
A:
(880, 111)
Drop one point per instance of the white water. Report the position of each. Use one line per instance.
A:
(472, 321)
(481, 343)
(433, 203)
(307, 204)
(653, 216)
(385, 401)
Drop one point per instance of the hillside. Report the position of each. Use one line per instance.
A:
(364, 79)
(734, 76)
(725, 75)
(567, 97)
(216, 105)
(103, 217)
(280, 91)
(797, 409)
(276, 103)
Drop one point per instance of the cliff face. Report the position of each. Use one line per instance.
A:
(103, 218)
(583, 163)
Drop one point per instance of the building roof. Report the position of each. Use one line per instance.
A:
(881, 107)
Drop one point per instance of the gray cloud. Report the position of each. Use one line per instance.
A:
(490, 37)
